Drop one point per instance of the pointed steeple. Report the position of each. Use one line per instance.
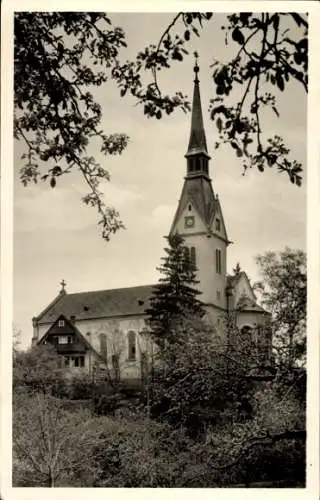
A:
(197, 154)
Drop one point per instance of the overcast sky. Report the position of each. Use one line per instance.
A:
(56, 237)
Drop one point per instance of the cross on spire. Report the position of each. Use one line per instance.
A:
(63, 286)
(197, 141)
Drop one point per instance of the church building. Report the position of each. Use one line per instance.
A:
(104, 327)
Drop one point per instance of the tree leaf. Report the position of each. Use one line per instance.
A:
(237, 36)
(280, 81)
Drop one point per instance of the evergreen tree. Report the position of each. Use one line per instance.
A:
(175, 298)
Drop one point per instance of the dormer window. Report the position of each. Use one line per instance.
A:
(61, 322)
(218, 225)
(189, 207)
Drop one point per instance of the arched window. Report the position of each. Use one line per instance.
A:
(131, 346)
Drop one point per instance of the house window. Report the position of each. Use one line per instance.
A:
(218, 261)
(131, 346)
(63, 339)
(218, 225)
(189, 207)
(218, 296)
(67, 361)
(78, 361)
(61, 322)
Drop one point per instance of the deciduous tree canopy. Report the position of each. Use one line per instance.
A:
(60, 57)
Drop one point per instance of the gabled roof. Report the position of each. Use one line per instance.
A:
(68, 328)
(99, 304)
(218, 210)
(233, 280)
(71, 327)
(245, 304)
(198, 191)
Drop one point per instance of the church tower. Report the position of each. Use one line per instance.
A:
(199, 217)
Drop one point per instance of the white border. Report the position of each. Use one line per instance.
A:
(313, 247)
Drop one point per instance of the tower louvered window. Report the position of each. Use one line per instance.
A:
(218, 261)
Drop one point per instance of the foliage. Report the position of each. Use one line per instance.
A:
(176, 295)
(284, 293)
(58, 448)
(270, 50)
(39, 368)
(196, 382)
(48, 442)
(61, 57)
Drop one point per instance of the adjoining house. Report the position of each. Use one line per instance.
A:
(90, 327)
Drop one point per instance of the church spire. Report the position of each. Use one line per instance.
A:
(197, 154)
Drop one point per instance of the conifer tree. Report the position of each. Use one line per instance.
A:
(175, 298)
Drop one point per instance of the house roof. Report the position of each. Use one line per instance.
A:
(70, 327)
(98, 304)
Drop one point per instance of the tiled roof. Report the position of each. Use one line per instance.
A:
(99, 304)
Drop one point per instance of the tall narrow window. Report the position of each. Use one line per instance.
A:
(116, 367)
(218, 261)
(103, 345)
(218, 225)
(131, 346)
(193, 258)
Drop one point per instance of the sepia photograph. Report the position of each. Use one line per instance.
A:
(159, 249)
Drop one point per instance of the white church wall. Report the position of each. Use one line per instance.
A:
(212, 284)
(116, 331)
